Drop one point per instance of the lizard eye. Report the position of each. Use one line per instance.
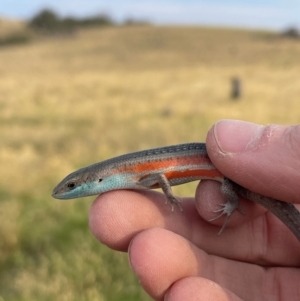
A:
(100, 180)
(71, 185)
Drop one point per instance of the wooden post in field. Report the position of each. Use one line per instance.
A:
(236, 88)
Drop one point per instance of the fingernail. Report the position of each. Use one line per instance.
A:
(234, 136)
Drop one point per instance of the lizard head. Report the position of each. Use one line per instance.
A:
(78, 184)
(86, 181)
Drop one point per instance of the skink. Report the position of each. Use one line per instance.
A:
(165, 167)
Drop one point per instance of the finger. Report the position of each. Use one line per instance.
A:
(190, 288)
(262, 159)
(161, 258)
(209, 199)
(252, 236)
(116, 217)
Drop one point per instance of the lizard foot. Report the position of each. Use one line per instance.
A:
(174, 201)
(226, 209)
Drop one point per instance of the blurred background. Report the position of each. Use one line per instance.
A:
(82, 81)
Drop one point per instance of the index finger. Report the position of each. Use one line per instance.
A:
(116, 217)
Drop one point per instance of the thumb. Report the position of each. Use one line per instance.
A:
(264, 159)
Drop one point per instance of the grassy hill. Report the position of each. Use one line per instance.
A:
(13, 32)
(68, 102)
(8, 26)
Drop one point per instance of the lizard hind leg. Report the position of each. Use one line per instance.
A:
(232, 204)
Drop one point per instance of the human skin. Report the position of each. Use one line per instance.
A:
(179, 256)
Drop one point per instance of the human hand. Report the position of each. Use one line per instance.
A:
(178, 256)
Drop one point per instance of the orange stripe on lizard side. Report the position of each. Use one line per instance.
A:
(166, 163)
(207, 173)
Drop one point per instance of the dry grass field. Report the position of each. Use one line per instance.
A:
(68, 102)
(10, 26)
